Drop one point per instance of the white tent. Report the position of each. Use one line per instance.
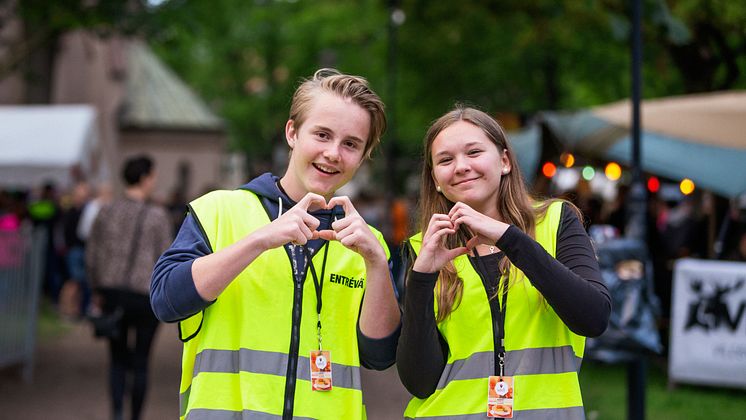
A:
(42, 143)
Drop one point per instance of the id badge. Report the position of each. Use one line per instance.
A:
(500, 394)
(321, 370)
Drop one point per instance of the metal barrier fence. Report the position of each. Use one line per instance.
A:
(21, 269)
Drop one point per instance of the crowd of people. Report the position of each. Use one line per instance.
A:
(700, 225)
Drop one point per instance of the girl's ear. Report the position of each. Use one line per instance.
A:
(505, 160)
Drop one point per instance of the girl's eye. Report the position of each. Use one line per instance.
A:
(474, 152)
(444, 161)
(352, 145)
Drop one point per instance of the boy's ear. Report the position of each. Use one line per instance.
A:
(290, 133)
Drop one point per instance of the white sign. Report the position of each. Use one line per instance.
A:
(708, 323)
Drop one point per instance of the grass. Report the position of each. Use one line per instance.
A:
(605, 395)
(50, 324)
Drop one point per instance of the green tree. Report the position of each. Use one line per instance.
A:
(505, 57)
(246, 58)
(43, 22)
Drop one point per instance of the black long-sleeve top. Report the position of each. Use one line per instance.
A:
(571, 284)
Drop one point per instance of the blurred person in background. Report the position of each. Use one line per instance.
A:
(739, 253)
(272, 279)
(125, 241)
(102, 197)
(79, 293)
(9, 220)
(503, 290)
(44, 212)
(10, 237)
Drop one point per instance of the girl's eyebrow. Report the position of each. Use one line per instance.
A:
(465, 146)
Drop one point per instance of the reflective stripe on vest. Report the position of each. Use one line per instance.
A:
(235, 364)
(571, 413)
(269, 363)
(517, 362)
(204, 414)
(542, 354)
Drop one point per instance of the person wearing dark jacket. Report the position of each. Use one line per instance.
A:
(503, 288)
(281, 289)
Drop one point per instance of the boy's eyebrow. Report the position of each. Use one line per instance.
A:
(353, 138)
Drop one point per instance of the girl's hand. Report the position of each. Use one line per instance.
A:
(433, 254)
(486, 230)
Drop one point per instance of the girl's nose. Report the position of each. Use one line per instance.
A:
(462, 165)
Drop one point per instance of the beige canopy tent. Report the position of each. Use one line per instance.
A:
(701, 137)
(716, 119)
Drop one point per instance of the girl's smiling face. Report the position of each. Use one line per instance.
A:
(468, 167)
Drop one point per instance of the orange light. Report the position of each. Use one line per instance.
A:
(567, 159)
(653, 184)
(686, 186)
(613, 171)
(549, 169)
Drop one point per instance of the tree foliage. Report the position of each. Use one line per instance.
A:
(245, 57)
(503, 56)
(44, 21)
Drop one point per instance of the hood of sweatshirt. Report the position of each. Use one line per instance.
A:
(266, 186)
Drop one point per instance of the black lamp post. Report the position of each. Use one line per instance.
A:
(637, 208)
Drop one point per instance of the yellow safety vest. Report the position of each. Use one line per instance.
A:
(542, 354)
(237, 352)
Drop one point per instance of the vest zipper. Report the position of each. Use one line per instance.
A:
(493, 313)
(292, 371)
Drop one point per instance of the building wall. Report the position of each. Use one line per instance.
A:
(89, 69)
(12, 88)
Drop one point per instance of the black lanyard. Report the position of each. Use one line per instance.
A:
(501, 312)
(318, 283)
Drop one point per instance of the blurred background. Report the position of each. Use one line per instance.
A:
(204, 88)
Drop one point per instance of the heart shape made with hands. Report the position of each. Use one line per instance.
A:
(471, 239)
(311, 202)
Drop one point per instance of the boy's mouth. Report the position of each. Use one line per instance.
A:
(325, 169)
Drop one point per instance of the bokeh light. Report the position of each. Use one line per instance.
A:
(567, 159)
(653, 184)
(613, 171)
(549, 169)
(588, 173)
(686, 186)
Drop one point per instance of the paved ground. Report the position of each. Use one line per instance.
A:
(70, 382)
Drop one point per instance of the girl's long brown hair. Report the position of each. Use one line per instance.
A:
(515, 205)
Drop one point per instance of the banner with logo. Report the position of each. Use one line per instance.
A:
(708, 323)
